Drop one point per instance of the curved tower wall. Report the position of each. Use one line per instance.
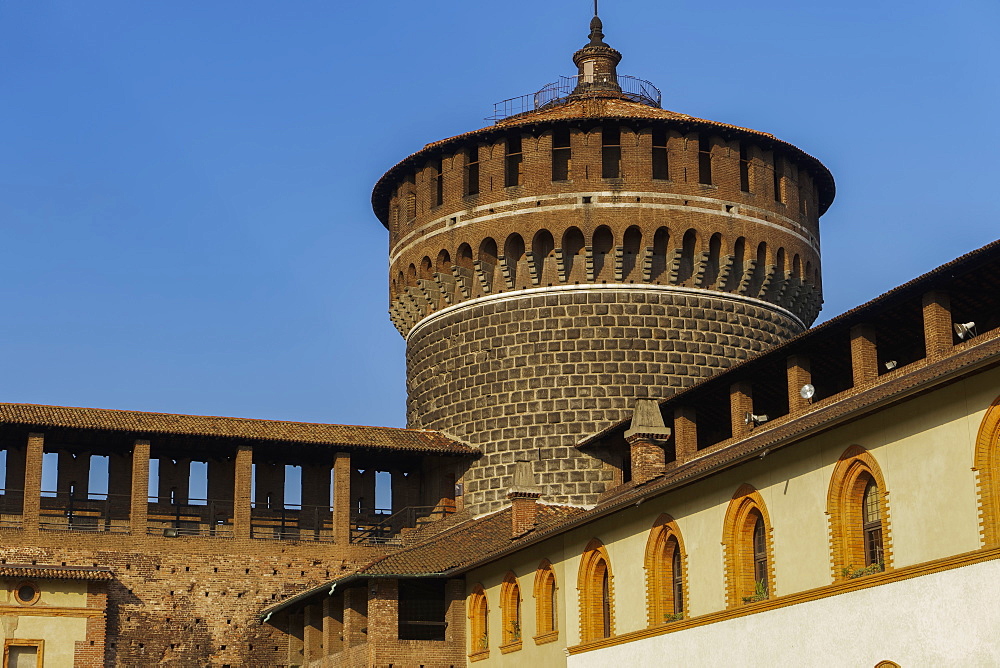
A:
(536, 313)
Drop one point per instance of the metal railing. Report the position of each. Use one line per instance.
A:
(389, 529)
(291, 521)
(561, 91)
(69, 511)
(193, 517)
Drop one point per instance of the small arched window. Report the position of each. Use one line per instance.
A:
(596, 585)
(546, 605)
(479, 630)
(510, 613)
(748, 548)
(665, 564)
(858, 510)
(872, 526)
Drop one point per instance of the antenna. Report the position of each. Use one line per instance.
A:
(595, 7)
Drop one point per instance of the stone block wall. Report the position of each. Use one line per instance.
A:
(525, 376)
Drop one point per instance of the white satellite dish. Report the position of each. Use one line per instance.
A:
(807, 391)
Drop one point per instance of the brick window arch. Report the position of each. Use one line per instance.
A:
(749, 548)
(546, 604)
(858, 509)
(596, 592)
(510, 613)
(479, 629)
(666, 571)
(987, 468)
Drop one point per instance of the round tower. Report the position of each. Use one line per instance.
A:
(587, 249)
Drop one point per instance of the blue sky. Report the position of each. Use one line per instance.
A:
(184, 186)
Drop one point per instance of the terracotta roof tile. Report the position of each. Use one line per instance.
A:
(54, 572)
(390, 438)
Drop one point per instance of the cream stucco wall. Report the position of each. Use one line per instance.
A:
(924, 446)
(59, 631)
(942, 619)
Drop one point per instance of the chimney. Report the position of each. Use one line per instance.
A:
(523, 497)
(645, 439)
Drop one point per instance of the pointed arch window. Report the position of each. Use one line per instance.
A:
(987, 468)
(479, 630)
(510, 613)
(546, 605)
(748, 548)
(665, 565)
(857, 505)
(596, 585)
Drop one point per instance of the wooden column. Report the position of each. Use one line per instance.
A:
(33, 480)
(864, 354)
(342, 498)
(243, 478)
(937, 323)
(797, 367)
(685, 433)
(138, 512)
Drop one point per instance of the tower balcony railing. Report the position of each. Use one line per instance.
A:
(563, 90)
(70, 511)
(190, 517)
(291, 521)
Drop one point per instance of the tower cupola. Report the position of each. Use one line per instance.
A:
(597, 62)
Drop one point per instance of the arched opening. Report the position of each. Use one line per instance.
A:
(748, 548)
(543, 252)
(596, 593)
(573, 254)
(689, 247)
(510, 611)
(858, 513)
(714, 261)
(661, 241)
(664, 566)
(604, 243)
(516, 269)
(632, 243)
(738, 266)
(479, 630)
(546, 607)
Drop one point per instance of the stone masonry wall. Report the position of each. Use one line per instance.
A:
(190, 601)
(527, 375)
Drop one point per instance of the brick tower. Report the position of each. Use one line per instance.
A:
(587, 249)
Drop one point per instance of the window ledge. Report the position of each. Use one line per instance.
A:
(510, 647)
(550, 636)
(480, 655)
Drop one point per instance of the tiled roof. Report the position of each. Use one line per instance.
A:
(463, 544)
(446, 553)
(347, 436)
(595, 108)
(54, 572)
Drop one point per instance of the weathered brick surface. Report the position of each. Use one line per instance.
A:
(185, 601)
(527, 377)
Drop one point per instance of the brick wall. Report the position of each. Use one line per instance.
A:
(185, 601)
